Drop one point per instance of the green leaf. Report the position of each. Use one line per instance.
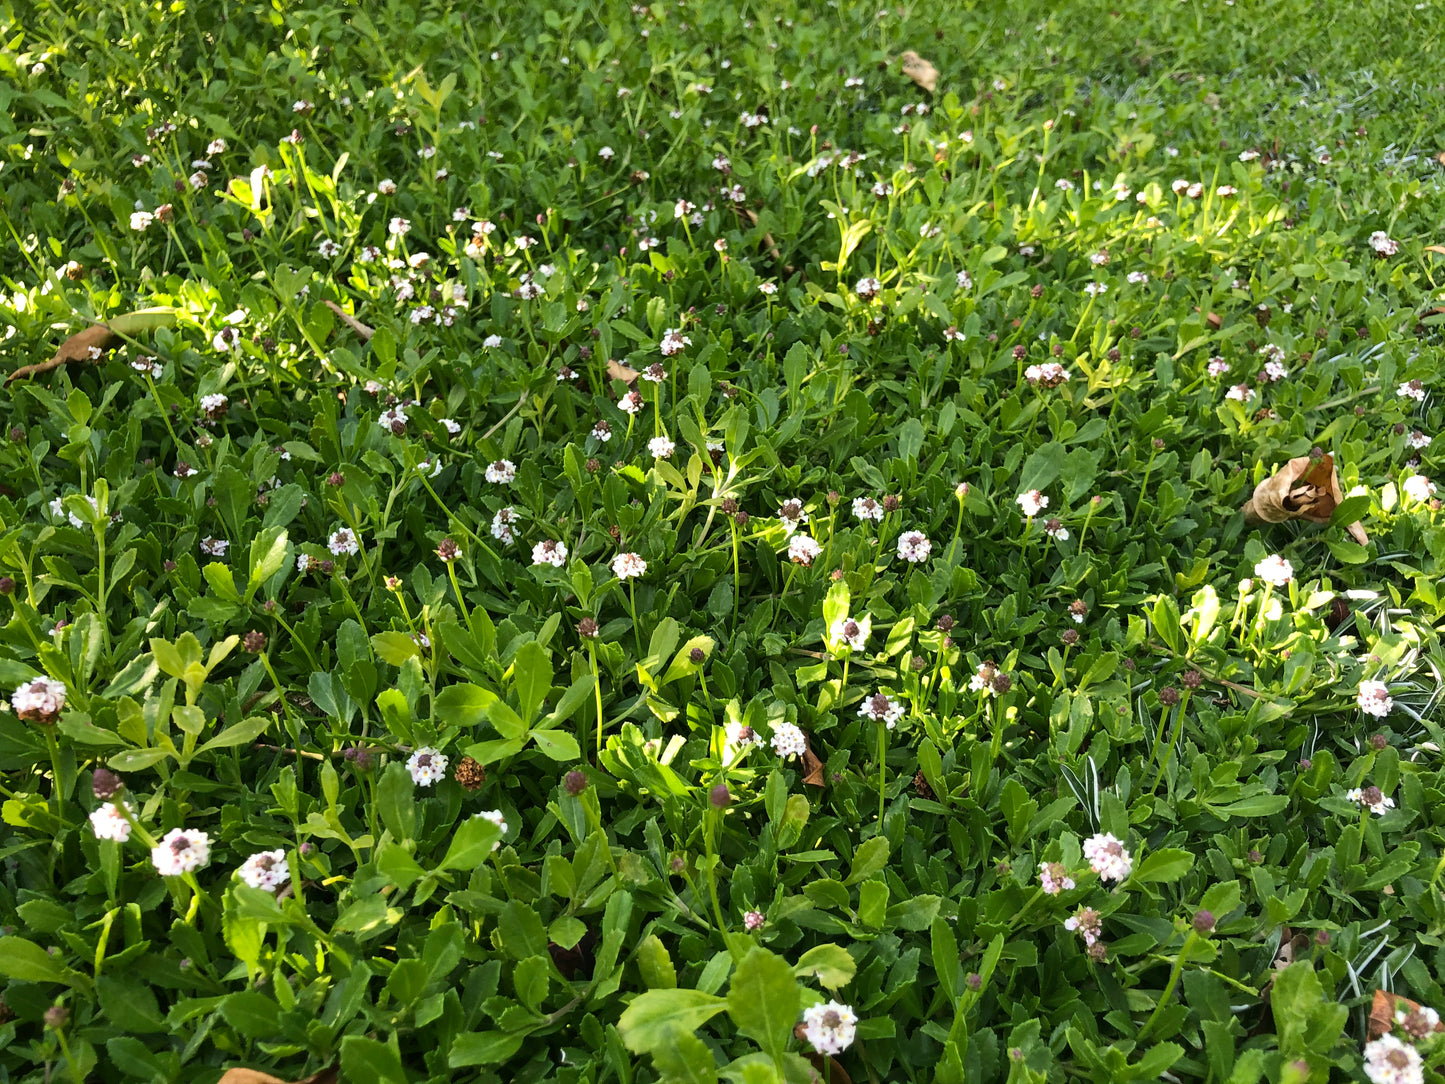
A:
(463, 706)
(367, 1061)
(253, 1014)
(1164, 866)
(655, 965)
(472, 842)
(223, 584)
(394, 648)
(654, 1016)
(483, 1048)
(28, 962)
(764, 1000)
(531, 678)
(685, 1059)
(1350, 510)
(682, 664)
(522, 932)
(831, 965)
(268, 556)
(559, 745)
(247, 730)
(1042, 467)
(394, 801)
(868, 859)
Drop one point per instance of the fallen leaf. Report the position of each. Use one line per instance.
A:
(1303, 488)
(350, 321)
(825, 1068)
(255, 1076)
(812, 766)
(1383, 1009)
(1436, 248)
(625, 373)
(1214, 320)
(920, 71)
(80, 348)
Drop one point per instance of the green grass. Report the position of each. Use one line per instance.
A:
(377, 279)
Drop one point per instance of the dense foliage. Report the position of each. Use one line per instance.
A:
(705, 541)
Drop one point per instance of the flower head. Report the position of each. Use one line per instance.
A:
(1274, 570)
(1382, 243)
(39, 701)
(550, 553)
(627, 566)
(495, 816)
(830, 1028)
(427, 766)
(1054, 878)
(266, 870)
(789, 741)
(882, 709)
(914, 546)
(1032, 503)
(753, 920)
(183, 850)
(1371, 798)
(661, 448)
(343, 542)
(1087, 923)
(1374, 698)
(803, 549)
(1107, 857)
(109, 822)
(501, 472)
(1390, 1060)
(848, 633)
(673, 342)
(502, 524)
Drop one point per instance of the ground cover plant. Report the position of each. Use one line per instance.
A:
(703, 541)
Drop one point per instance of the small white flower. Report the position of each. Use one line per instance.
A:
(788, 741)
(492, 341)
(1417, 440)
(40, 699)
(328, 248)
(451, 426)
(398, 226)
(1381, 242)
(1137, 278)
(1225, 191)
(914, 546)
(1374, 698)
(868, 288)
(673, 342)
(791, 515)
(427, 766)
(881, 709)
(214, 547)
(1107, 857)
(501, 472)
(550, 553)
(606, 154)
(390, 419)
(181, 851)
(108, 822)
(849, 633)
(627, 566)
(803, 549)
(661, 448)
(1094, 289)
(1372, 799)
(1411, 389)
(141, 220)
(1390, 1060)
(343, 542)
(964, 280)
(602, 431)
(1032, 503)
(1274, 570)
(502, 525)
(830, 1028)
(866, 508)
(1054, 878)
(1217, 367)
(266, 870)
(1240, 393)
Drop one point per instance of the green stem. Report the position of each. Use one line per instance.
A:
(1169, 987)
(882, 773)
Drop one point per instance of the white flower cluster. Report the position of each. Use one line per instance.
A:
(1107, 857)
(830, 1027)
(427, 766)
(40, 699)
(266, 870)
(183, 850)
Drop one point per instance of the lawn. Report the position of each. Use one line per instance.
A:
(699, 541)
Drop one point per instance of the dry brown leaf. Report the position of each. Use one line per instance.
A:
(1303, 488)
(812, 766)
(100, 337)
(350, 321)
(919, 70)
(1382, 1013)
(625, 373)
(255, 1076)
(824, 1068)
(1436, 248)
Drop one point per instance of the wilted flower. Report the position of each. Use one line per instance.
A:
(830, 1028)
(266, 870)
(1107, 857)
(183, 850)
(427, 766)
